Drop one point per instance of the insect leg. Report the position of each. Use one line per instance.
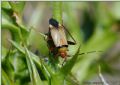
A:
(65, 59)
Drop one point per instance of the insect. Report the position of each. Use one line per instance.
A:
(56, 40)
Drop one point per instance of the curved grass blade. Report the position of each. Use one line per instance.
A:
(68, 66)
(5, 5)
(17, 6)
(5, 79)
(21, 49)
(34, 75)
(62, 73)
(71, 80)
(7, 66)
(57, 79)
(42, 66)
(47, 72)
(8, 24)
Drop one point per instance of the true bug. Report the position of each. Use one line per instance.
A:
(56, 40)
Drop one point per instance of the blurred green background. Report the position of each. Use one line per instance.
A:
(94, 25)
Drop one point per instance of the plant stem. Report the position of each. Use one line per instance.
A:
(57, 11)
(101, 76)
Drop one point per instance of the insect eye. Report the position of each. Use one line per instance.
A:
(53, 22)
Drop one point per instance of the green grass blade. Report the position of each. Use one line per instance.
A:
(44, 68)
(8, 24)
(69, 65)
(5, 79)
(35, 77)
(57, 11)
(5, 5)
(17, 6)
(21, 49)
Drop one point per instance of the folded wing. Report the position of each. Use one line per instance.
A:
(58, 36)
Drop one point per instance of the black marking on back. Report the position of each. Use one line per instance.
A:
(62, 46)
(71, 43)
(53, 22)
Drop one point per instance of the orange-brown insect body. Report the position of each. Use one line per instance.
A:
(57, 51)
(63, 52)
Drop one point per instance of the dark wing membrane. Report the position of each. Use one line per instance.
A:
(71, 43)
(58, 36)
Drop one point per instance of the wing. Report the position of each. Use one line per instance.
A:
(55, 36)
(58, 36)
(63, 38)
(70, 42)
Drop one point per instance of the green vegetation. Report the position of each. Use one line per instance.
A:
(25, 56)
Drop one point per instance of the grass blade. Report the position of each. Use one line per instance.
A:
(68, 66)
(35, 78)
(5, 79)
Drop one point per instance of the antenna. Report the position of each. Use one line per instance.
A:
(89, 52)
